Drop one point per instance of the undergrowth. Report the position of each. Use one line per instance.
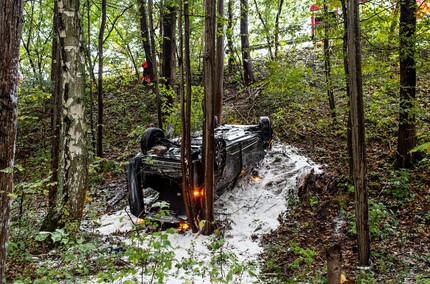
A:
(294, 95)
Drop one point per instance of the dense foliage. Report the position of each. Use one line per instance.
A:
(291, 88)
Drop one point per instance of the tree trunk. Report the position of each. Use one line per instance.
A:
(358, 134)
(244, 36)
(169, 47)
(155, 88)
(146, 38)
(100, 84)
(188, 93)
(219, 80)
(208, 139)
(92, 79)
(186, 160)
(408, 79)
(278, 15)
(327, 66)
(267, 32)
(56, 109)
(345, 67)
(230, 49)
(10, 33)
(334, 258)
(69, 201)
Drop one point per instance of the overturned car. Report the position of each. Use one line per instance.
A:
(154, 176)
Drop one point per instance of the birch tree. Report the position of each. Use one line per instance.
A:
(70, 196)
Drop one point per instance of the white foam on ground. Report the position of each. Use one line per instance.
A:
(250, 210)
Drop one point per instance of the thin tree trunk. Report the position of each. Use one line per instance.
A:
(209, 72)
(408, 80)
(230, 49)
(327, 66)
(358, 134)
(56, 110)
(278, 15)
(345, 67)
(27, 43)
(92, 78)
(100, 83)
(169, 48)
(188, 92)
(219, 81)
(146, 37)
(56, 122)
(186, 162)
(244, 36)
(155, 89)
(266, 30)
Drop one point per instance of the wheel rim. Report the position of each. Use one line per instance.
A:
(219, 154)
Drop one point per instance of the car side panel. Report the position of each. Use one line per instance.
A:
(232, 168)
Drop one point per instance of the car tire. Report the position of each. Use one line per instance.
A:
(150, 138)
(134, 186)
(220, 154)
(266, 130)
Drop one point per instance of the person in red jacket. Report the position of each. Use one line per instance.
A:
(145, 77)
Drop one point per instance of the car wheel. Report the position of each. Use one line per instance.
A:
(266, 131)
(220, 154)
(134, 186)
(150, 138)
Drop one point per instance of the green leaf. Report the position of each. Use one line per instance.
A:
(7, 170)
(422, 148)
(202, 224)
(42, 236)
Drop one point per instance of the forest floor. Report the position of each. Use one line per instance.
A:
(399, 199)
(399, 215)
(398, 220)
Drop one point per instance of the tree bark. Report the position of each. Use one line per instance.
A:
(345, 67)
(230, 49)
(69, 202)
(358, 134)
(56, 109)
(100, 83)
(208, 142)
(146, 37)
(219, 81)
(408, 79)
(188, 94)
(186, 160)
(10, 33)
(169, 47)
(278, 15)
(92, 78)
(155, 88)
(334, 258)
(267, 32)
(327, 66)
(244, 36)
